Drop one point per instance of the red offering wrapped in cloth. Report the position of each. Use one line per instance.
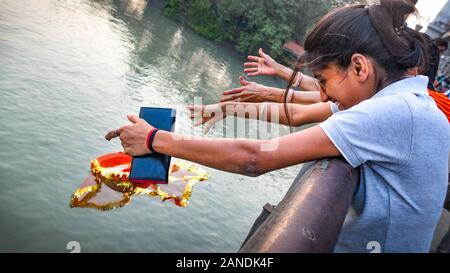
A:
(108, 186)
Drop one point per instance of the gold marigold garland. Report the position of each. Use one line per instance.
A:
(118, 181)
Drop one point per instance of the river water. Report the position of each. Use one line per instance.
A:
(69, 72)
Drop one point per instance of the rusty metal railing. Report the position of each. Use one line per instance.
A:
(311, 215)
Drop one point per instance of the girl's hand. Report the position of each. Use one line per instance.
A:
(133, 137)
(251, 92)
(262, 65)
(209, 114)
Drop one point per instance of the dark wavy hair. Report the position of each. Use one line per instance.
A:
(376, 31)
(431, 69)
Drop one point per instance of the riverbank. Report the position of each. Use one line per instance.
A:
(250, 25)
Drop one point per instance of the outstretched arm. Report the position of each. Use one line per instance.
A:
(270, 112)
(265, 65)
(254, 92)
(247, 157)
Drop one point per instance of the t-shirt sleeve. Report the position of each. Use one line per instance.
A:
(334, 108)
(378, 130)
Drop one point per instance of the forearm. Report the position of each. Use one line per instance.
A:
(273, 94)
(301, 97)
(270, 112)
(284, 72)
(308, 83)
(313, 113)
(276, 95)
(276, 112)
(248, 157)
(240, 156)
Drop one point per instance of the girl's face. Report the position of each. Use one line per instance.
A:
(346, 87)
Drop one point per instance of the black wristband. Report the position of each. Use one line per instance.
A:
(150, 140)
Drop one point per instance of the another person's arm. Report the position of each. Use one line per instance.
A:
(242, 156)
(270, 112)
(254, 92)
(265, 65)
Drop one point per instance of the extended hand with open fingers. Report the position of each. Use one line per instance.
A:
(249, 92)
(262, 65)
(206, 114)
(133, 137)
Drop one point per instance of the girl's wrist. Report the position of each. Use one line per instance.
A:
(284, 73)
(277, 95)
(150, 139)
(269, 94)
(159, 140)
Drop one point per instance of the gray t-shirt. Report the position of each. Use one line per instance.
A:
(401, 141)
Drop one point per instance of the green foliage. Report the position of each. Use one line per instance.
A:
(172, 8)
(203, 18)
(340, 3)
(250, 24)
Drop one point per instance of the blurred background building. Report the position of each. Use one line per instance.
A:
(440, 28)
